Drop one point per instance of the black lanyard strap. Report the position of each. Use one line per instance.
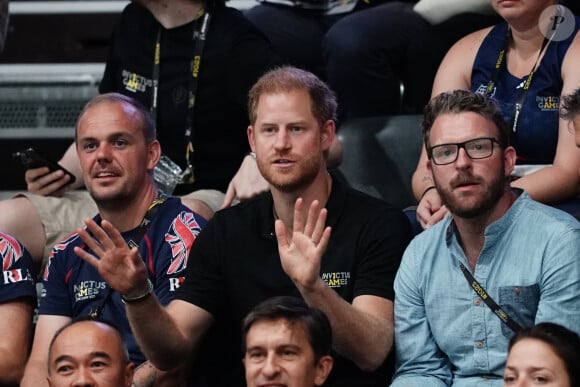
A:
(500, 64)
(133, 242)
(200, 29)
(497, 310)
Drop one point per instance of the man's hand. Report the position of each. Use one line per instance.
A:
(300, 256)
(119, 265)
(430, 209)
(246, 183)
(40, 182)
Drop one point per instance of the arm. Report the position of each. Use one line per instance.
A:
(560, 283)
(247, 182)
(182, 324)
(561, 180)
(420, 363)
(363, 331)
(36, 369)
(16, 323)
(454, 73)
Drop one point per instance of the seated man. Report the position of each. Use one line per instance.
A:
(276, 244)
(89, 352)
(500, 262)
(117, 149)
(234, 55)
(17, 303)
(285, 342)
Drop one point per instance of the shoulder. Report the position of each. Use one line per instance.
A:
(11, 250)
(457, 65)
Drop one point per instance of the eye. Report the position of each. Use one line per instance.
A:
(288, 353)
(64, 369)
(98, 364)
(89, 146)
(509, 379)
(120, 143)
(296, 128)
(255, 355)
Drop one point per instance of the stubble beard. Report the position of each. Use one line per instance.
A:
(483, 204)
(301, 175)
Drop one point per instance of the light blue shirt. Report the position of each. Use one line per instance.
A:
(445, 334)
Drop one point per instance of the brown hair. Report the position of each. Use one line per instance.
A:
(461, 101)
(287, 78)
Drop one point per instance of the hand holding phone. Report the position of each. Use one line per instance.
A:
(31, 158)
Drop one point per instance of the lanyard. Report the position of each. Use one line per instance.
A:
(497, 310)
(133, 242)
(500, 63)
(199, 35)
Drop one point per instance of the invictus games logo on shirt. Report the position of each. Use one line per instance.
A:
(482, 89)
(135, 82)
(549, 103)
(86, 290)
(336, 279)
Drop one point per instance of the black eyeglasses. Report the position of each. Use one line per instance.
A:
(479, 148)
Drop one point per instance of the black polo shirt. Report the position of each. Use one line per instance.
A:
(234, 265)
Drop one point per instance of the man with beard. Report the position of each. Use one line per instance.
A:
(117, 150)
(499, 262)
(310, 236)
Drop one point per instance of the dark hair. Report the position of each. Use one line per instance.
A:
(147, 121)
(462, 101)
(287, 78)
(564, 342)
(294, 310)
(81, 319)
(570, 105)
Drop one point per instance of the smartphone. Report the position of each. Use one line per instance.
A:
(32, 158)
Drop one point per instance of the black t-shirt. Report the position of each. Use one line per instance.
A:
(234, 57)
(234, 265)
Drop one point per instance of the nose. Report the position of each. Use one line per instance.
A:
(463, 159)
(282, 140)
(103, 151)
(84, 379)
(271, 367)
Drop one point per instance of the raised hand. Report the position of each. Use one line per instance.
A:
(118, 264)
(300, 255)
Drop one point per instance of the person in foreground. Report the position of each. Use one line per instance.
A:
(115, 138)
(546, 354)
(498, 247)
(89, 352)
(278, 244)
(285, 342)
(17, 303)
(526, 63)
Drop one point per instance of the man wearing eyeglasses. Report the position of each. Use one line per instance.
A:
(499, 262)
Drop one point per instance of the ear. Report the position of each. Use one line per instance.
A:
(251, 133)
(129, 373)
(323, 368)
(327, 133)
(428, 165)
(153, 154)
(509, 155)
